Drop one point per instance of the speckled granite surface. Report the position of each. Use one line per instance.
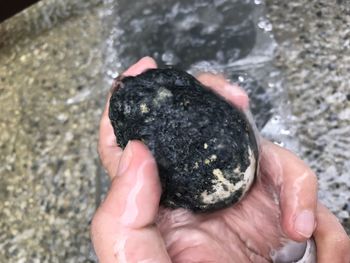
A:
(50, 105)
(52, 90)
(314, 56)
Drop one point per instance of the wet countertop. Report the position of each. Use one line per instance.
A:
(52, 90)
(313, 54)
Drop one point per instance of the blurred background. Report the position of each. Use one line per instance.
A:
(59, 57)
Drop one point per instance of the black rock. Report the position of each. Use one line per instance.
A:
(205, 148)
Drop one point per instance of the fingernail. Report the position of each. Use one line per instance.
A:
(304, 223)
(125, 159)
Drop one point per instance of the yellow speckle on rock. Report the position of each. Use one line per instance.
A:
(207, 161)
(144, 108)
(162, 94)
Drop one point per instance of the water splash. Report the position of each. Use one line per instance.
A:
(265, 24)
(230, 37)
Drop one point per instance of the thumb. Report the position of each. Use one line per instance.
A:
(123, 227)
(134, 195)
(296, 186)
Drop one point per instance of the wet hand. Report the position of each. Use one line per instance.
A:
(130, 227)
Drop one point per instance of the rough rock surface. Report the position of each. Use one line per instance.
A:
(204, 147)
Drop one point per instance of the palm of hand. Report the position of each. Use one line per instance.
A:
(124, 229)
(245, 232)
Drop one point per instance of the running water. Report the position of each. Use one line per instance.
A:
(229, 37)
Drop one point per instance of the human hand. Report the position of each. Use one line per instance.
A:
(130, 227)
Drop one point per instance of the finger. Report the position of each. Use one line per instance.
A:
(108, 148)
(332, 242)
(140, 66)
(232, 93)
(296, 186)
(136, 189)
(123, 227)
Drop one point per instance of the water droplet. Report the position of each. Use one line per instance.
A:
(265, 24)
(147, 11)
(285, 132)
(168, 57)
(112, 74)
(279, 143)
(276, 119)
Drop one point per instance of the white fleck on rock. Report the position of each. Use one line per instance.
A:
(144, 108)
(223, 188)
(213, 157)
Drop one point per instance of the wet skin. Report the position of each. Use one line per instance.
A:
(129, 226)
